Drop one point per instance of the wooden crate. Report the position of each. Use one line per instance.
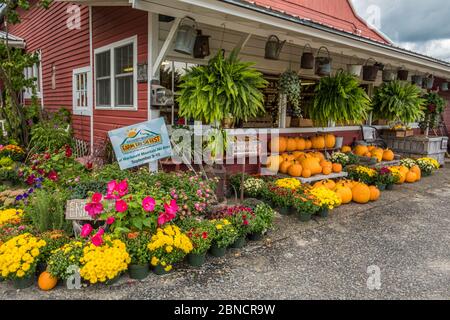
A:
(398, 133)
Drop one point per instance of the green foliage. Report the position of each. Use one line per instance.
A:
(46, 210)
(435, 106)
(64, 257)
(223, 86)
(200, 232)
(290, 85)
(264, 216)
(398, 101)
(82, 189)
(339, 98)
(137, 247)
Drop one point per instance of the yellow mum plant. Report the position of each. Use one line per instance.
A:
(168, 246)
(10, 216)
(105, 262)
(325, 198)
(288, 183)
(19, 256)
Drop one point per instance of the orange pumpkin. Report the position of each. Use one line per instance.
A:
(285, 166)
(325, 163)
(312, 164)
(46, 281)
(330, 184)
(326, 170)
(318, 155)
(301, 144)
(337, 167)
(278, 144)
(371, 148)
(306, 173)
(361, 193)
(330, 141)
(308, 144)
(411, 177)
(374, 193)
(361, 150)
(318, 142)
(388, 155)
(295, 170)
(345, 193)
(346, 149)
(417, 171)
(291, 145)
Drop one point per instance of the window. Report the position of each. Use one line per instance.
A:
(34, 72)
(82, 91)
(115, 75)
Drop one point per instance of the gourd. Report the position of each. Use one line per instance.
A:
(345, 193)
(295, 170)
(46, 281)
(330, 141)
(306, 173)
(361, 193)
(301, 144)
(411, 177)
(337, 167)
(285, 166)
(278, 144)
(291, 145)
(374, 193)
(346, 149)
(388, 155)
(361, 150)
(318, 142)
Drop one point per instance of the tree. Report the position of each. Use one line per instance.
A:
(13, 61)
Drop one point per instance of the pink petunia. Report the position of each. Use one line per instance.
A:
(97, 239)
(148, 204)
(52, 175)
(165, 217)
(93, 209)
(171, 208)
(110, 190)
(122, 188)
(121, 206)
(110, 220)
(97, 197)
(86, 230)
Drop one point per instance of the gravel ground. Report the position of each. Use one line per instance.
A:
(405, 234)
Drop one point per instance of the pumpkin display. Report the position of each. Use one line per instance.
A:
(374, 193)
(327, 170)
(278, 145)
(46, 281)
(417, 171)
(411, 177)
(330, 184)
(346, 149)
(301, 144)
(330, 141)
(345, 193)
(312, 164)
(361, 193)
(285, 166)
(308, 144)
(295, 170)
(361, 150)
(318, 142)
(291, 145)
(388, 155)
(337, 167)
(306, 173)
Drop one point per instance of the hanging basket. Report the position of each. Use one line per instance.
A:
(389, 74)
(444, 86)
(402, 74)
(307, 61)
(428, 82)
(417, 80)
(323, 64)
(186, 36)
(370, 72)
(354, 69)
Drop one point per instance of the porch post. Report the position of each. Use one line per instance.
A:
(152, 54)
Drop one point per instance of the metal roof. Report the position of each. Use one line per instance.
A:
(327, 28)
(13, 41)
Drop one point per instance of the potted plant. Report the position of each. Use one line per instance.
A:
(427, 166)
(339, 99)
(168, 246)
(305, 206)
(435, 106)
(385, 179)
(263, 221)
(325, 198)
(137, 243)
(290, 85)
(224, 235)
(242, 219)
(398, 101)
(363, 174)
(201, 234)
(281, 199)
(253, 187)
(18, 259)
(64, 261)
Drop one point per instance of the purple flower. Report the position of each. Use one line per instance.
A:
(31, 190)
(19, 197)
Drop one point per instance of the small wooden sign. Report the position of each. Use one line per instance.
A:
(75, 210)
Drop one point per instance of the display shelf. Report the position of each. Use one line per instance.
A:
(318, 177)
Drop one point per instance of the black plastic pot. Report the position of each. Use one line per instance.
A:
(324, 212)
(23, 283)
(304, 216)
(239, 243)
(196, 260)
(390, 187)
(138, 271)
(217, 251)
(256, 236)
(159, 270)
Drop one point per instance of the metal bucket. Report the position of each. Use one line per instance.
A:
(370, 72)
(417, 80)
(186, 36)
(428, 82)
(389, 75)
(402, 75)
(323, 64)
(354, 69)
(307, 61)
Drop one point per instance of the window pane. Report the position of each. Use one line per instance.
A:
(103, 64)
(124, 59)
(104, 92)
(124, 91)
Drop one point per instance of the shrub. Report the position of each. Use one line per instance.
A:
(49, 136)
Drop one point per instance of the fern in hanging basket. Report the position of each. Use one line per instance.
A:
(224, 86)
(339, 99)
(398, 101)
(290, 85)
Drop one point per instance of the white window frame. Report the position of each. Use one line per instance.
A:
(110, 48)
(29, 72)
(77, 110)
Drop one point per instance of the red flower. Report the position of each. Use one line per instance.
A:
(89, 165)
(47, 156)
(68, 152)
(245, 222)
(205, 235)
(52, 175)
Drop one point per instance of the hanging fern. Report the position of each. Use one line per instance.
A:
(398, 101)
(224, 86)
(339, 98)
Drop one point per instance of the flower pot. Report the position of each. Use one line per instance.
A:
(138, 271)
(381, 187)
(159, 270)
(217, 251)
(196, 260)
(239, 243)
(304, 216)
(324, 212)
(2, 279)
(25, 282)
(426, 174)
(390, 187)
(258, 236)
(285, 211)
(40, 267)
(323, 64)
(112, 281)
(370, 72)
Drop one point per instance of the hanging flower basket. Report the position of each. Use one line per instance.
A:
(370, 72)
(323, 64)
(307, 61)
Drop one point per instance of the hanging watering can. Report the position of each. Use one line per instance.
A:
(389, 74)
(354, 69)
(323, 64)
(307, 61)
(444, 86)
(417, 80)
(428, 82)
(273, 47)
(201, 47)
(370, 72)
(402, 74)
(186, 36)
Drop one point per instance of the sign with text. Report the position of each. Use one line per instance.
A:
(141, 143)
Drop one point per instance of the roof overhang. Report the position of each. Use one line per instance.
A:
(13, 41)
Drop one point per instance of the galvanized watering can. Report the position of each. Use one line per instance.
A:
(389, 74)
(323, 64)
(273, 47)
(186, 36)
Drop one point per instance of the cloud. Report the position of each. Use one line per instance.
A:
(422, 26)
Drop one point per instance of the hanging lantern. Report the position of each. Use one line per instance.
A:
(186, 36)
(201, 47)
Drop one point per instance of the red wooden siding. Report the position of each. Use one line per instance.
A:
(111, 24)
(334, 13)
(66, 49)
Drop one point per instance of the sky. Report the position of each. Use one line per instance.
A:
(418, 25)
